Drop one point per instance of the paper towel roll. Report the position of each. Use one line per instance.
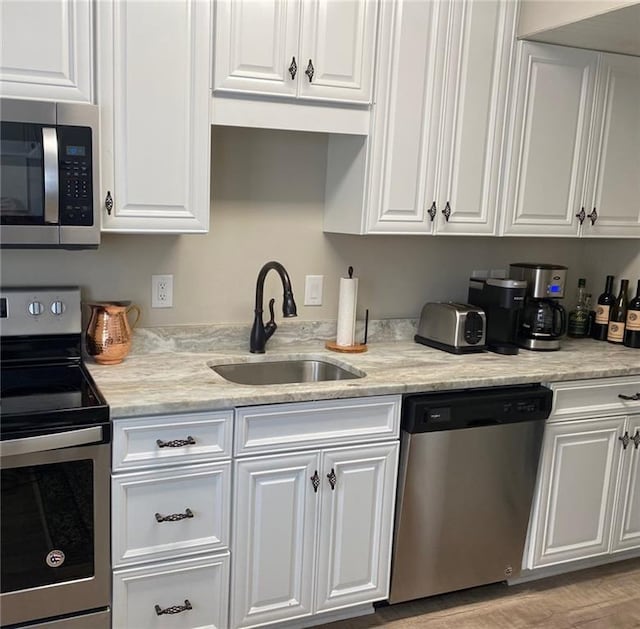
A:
(347, 302)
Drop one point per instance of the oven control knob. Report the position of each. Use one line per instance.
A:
(36, 308)
(58, 307)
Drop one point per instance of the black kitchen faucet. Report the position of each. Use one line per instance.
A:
(261, 333)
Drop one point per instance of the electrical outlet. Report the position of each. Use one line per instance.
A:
(162, 291)
(313, 290)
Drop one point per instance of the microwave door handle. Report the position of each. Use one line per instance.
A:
(51, 182)
(42, 443)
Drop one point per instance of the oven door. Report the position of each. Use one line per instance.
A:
(54, 534)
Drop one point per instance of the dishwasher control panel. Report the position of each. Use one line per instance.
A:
(473, 408)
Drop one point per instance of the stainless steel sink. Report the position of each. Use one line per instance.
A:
(284, 372)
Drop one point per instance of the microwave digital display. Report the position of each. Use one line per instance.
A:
(76, 151)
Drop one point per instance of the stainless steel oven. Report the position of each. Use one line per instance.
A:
(48, 174)
(54, 469)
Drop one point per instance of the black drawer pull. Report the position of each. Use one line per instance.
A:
(176, 443)
(174, 609)
(625, 440)
(634, 398)
(175, 517)
(636, 439)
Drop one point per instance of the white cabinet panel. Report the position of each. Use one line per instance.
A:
(203, 582)
(154, 95)
(200, 492)
(578, 477)
(273, 542)
(46, 49)
(550, 138)
(256, 43)
(615, 167)
(355, 526)
(337, 49)
(627, 523)
(473, 116)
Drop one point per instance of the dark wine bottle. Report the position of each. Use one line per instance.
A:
(601, 322)
(632, 331)
(618, 314)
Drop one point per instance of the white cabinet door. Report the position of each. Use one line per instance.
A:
(154, 97)
(406, 117)
(474, 96)
(337, 50)
(46, 49)
(356, 523)
(627, 522)
(256, 44)
(615, 157)
(578, 473)
(549, 138)
(275, 519)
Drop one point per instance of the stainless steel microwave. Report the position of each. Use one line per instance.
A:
(48, 175)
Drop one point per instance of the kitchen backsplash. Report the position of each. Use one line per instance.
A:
(267, 203)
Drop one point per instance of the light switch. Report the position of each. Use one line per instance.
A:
(313, 290)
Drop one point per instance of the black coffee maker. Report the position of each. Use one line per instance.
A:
(502, 301)
(543, 320)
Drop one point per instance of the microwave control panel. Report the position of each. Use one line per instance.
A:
(75, 171)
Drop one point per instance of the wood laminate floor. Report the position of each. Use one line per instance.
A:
(607, 597)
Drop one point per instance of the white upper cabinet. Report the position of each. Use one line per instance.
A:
(549, 140)
(574, 146)
(153, 91)
(309, 49)
(435, 145)
(46, 50)
(613, 176)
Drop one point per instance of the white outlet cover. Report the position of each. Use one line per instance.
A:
(162, 291)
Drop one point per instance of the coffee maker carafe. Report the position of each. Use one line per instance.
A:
(543, 320)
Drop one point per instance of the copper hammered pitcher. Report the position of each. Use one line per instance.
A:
(109, 333)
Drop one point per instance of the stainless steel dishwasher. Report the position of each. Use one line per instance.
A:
(468, 464)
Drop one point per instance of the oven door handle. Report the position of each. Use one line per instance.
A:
(42, 443)
(51, 181)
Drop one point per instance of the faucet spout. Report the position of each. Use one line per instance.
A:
(260, 333)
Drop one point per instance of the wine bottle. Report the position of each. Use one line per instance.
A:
(618, 314)
(601, 323)
(579, 316)
(632, 331)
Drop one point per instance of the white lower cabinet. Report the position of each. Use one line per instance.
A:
(312, 529)
(171, 504)
(587, 503)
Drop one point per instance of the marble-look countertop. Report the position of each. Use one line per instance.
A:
(176, 378)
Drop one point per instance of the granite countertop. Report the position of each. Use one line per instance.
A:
(175, 377)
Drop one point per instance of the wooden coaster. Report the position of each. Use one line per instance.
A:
(347, 349)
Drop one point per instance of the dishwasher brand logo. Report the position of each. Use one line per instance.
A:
(55, 558)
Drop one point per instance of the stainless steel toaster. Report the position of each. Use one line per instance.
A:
(452, 327)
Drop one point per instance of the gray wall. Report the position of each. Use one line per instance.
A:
(267, 202)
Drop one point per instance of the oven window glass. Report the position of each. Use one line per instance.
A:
(47, 532)
(21, 174)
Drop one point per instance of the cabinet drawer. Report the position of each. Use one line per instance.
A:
(203, 582)
(197, 499)
(278, 427)
(183, 439)
(598, 398)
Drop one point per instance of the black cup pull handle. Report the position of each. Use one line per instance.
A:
(174, 609)
(176, 443)
(175, 517)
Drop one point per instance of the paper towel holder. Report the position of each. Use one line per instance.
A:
(358, 348)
